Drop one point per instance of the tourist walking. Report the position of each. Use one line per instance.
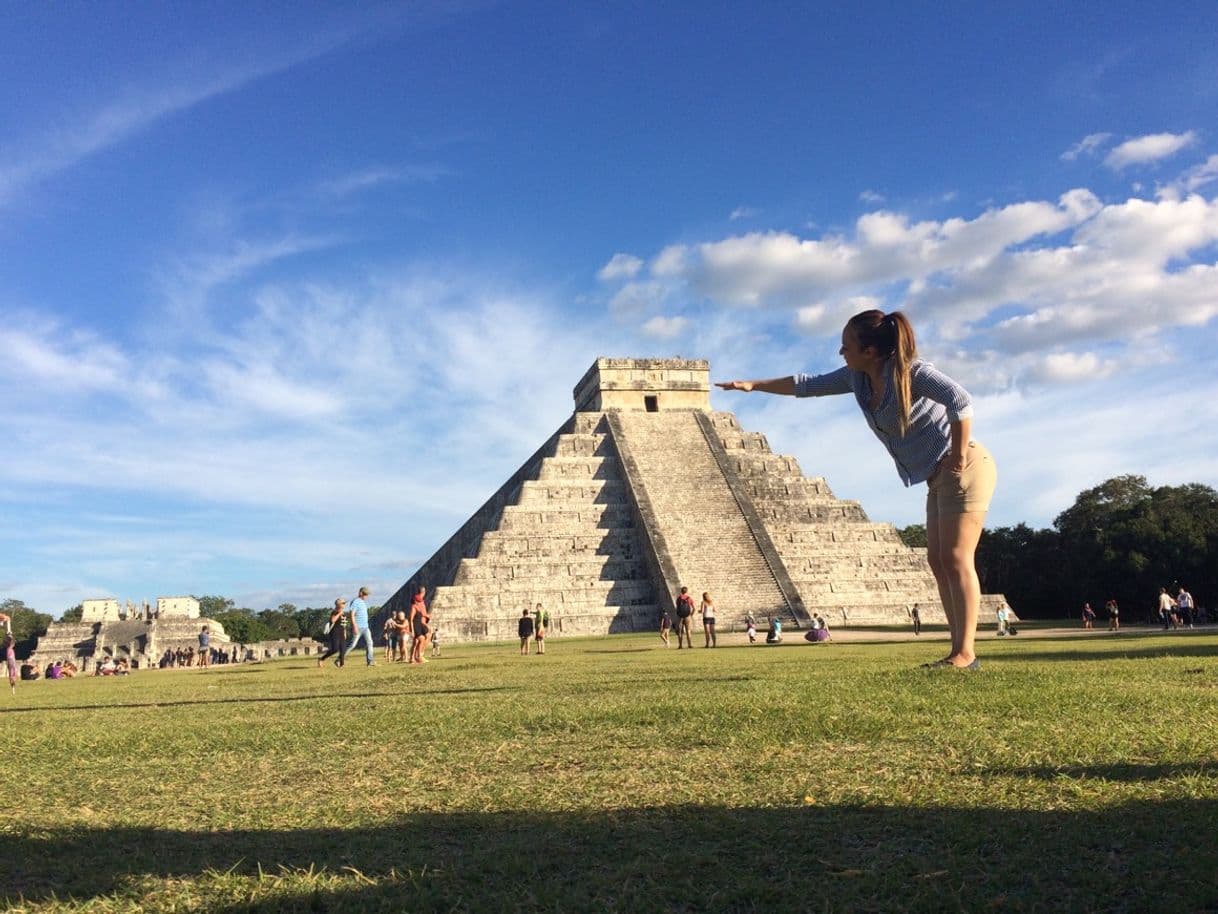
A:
(336, 633)
(924, 419)
(708, 620)
(1184, 603)
(1167, 610)
(524, 628)
(685, 613)
(420, 625)
(1088, 616)
(915, 616)
(665, 626)
(360, 632)
(750, 627)
(1114, 615)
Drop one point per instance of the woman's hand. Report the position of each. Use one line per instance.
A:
(746, 386)
(955, 464)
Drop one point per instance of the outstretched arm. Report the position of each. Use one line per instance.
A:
(784, 386)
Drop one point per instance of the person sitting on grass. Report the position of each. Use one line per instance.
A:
(524, 628)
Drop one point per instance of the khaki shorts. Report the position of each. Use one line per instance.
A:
(970, 491)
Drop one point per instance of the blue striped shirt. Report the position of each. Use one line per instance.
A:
(938, 401)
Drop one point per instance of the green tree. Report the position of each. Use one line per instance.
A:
(913, 536)
(74, 614)
(28, 625)
(280, 624)
(211, 607)
(243, 626)
(312, 620)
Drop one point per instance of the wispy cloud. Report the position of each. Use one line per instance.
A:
(744, 212)
(1150, 148)
(78, 136)
(379, 176)
(1087, 146)
(871, 196)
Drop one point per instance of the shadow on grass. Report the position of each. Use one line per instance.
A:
(1119, 771)
(251, 699)
(1120, 858)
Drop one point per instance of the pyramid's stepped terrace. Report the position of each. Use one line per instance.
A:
(697, 519)
(563, 536)
(846, 567)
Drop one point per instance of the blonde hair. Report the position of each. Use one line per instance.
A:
(892, 336)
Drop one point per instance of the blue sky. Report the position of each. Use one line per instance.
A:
(287, 292)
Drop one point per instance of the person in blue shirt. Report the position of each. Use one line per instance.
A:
(924, 420)
(359, 625)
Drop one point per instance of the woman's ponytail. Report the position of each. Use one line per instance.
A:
(904, 351)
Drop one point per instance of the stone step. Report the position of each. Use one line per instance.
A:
(803, 512)
(540, 568)
(614, 541)
(583, 445)
(534, 517)
(579, 468)
(593, 594)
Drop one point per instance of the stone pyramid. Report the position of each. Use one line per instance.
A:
(645, 489)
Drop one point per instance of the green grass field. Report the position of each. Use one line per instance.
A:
(611, 774)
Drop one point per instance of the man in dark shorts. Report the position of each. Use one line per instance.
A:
(685, 625)
(524, 628)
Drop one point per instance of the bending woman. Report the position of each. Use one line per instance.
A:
(924, 419)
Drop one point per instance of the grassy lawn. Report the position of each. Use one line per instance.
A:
(611, 774)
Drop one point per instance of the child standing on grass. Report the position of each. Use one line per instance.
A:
(665, 626)
(524, 628)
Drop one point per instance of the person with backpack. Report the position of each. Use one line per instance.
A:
(685, 613)
(336, 632)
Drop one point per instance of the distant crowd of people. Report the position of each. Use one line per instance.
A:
(684, 607)
(1180, 611)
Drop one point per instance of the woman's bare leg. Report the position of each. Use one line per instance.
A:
(951, 548)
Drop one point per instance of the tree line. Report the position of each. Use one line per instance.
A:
(1122, 540)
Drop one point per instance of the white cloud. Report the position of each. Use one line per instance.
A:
(871, 196)
(1069, 367)
(639, 297)
(744, 212)
(1088, 145)
(778, 269)
(620, 266)
(1150, 148)
(665, 328)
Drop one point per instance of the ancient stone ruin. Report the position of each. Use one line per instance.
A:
(645, 489)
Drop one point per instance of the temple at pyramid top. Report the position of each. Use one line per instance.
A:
(651, 385)
(644, 489)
